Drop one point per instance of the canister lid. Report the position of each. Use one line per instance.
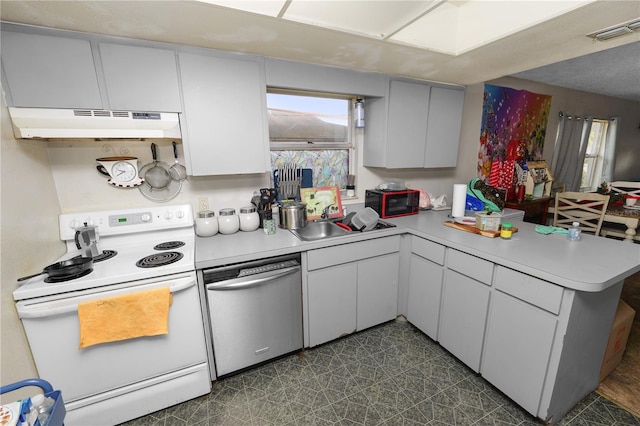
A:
(507, 225)
(248, 209)
(206, 213)
(227, 212)
(293, 205)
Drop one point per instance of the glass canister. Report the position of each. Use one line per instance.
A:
(228, 221)
(249, 218)
(206, 223)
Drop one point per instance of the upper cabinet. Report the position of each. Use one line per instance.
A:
(140, 78)
(416, 125)
(49, 72)
(43, 71)
(225, 124)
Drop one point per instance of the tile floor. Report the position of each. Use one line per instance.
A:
(388, 375)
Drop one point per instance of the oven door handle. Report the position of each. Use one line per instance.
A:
(49, 309)
(248, 282)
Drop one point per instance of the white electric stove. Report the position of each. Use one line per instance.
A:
(110, 383)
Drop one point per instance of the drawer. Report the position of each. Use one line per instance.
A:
(428, 249)
(532, 290)
(346, 253)
(471, 266)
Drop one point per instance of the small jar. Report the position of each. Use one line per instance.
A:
(269, 223)
(228, 222)
(206, 223)
(249, 219)
(506, 230)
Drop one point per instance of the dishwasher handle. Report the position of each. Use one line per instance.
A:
(252, 280)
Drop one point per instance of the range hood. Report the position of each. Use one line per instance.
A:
(31, 123)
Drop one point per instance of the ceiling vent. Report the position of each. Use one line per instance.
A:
(616, 31)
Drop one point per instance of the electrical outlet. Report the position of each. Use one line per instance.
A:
(203, 203)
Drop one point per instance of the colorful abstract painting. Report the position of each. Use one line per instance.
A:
(515, 117)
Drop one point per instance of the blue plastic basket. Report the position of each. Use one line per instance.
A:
(56, 417)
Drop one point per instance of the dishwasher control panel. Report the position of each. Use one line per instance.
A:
(267, 268)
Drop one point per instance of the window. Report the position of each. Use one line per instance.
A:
(312, 131)
(594, 156)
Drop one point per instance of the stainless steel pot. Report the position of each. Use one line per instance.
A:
(293, 215)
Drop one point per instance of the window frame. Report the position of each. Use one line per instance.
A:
(350, 145)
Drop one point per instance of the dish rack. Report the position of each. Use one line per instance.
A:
(58, 411)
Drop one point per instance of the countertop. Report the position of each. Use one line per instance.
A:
(590, 264)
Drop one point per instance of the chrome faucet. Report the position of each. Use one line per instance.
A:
(325, 212)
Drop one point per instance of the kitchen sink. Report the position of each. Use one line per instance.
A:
(319, 230)
(328, 229)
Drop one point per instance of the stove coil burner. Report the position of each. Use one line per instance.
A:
(106, 254)
(159, 259)
(68, 277)
(169, 245)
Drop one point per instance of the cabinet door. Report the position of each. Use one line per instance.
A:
(517, 349)
(406, 127)
(332, 302)
(140, 78)
(225, 115)
(377, 300)
(443, 127)
(463, 317)
(49, 72)
(425, 288)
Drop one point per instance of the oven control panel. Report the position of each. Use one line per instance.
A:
(116, 222)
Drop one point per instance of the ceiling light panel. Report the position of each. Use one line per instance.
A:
(372, 18)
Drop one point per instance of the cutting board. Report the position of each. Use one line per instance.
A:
(474, 230)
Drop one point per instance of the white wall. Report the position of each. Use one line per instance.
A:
(29, 239)
(42, 179)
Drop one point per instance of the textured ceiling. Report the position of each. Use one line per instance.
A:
(613, 72)
(561, 38)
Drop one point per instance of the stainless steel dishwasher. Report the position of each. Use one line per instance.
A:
(255, 311)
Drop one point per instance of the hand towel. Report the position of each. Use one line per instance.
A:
(545, 230)
(144, 313)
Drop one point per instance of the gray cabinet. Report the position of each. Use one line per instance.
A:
(44, 71)
(332, 295)
(465, 300)
(140, 78)
(426, 271)
(521, 306)
(416, 125)
(224, 128)
(350, 287)
(377, 300)
(49, 72)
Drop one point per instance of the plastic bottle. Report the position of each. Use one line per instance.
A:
(574, 232)
(43, 406)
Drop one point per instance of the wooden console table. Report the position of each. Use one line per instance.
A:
(535, 210)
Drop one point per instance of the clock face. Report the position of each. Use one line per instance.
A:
(124, 171)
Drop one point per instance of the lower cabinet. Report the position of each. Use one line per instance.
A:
(426, 271)
(515, 365)
(351, 287)
(465, 300)
(463, 317)
(377, 300)
(332, 295)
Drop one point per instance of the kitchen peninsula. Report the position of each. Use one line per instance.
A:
(531, 315)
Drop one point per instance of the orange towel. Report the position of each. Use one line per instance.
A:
(145, 313)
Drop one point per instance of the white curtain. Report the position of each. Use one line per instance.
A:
(609, 160)
(569, 150)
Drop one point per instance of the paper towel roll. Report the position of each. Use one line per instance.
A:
(459, 200)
